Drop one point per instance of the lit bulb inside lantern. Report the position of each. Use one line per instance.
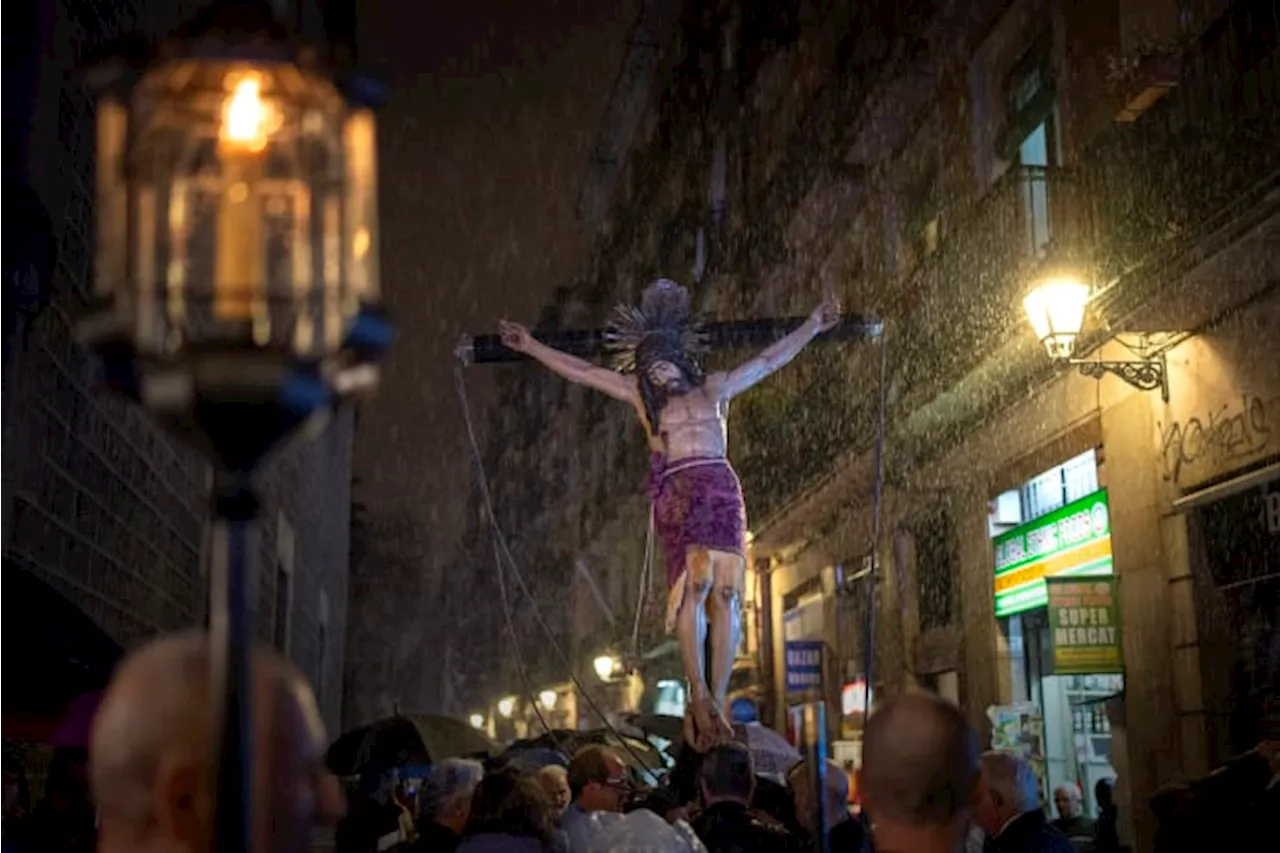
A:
(244, 115)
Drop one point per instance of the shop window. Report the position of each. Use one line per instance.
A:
(802, 612)
(1059, 486)
(1241, 547)
(935, 571)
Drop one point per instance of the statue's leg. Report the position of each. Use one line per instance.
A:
(691, 632)
(724, 606)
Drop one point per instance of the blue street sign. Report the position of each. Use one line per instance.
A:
(804, 666)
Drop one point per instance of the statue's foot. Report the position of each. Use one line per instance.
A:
(699, 720)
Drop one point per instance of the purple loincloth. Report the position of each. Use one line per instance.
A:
(696, 503)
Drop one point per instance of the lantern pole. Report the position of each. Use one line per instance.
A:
(236, 363)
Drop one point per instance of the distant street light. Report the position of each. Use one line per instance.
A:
(236, 274)
(605, 666)
(477, 721)
(548, 699)
(1056, 307)
(507, 706)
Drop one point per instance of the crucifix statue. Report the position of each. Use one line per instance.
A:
(699, 515)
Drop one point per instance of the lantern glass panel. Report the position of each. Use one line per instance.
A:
(236, 199)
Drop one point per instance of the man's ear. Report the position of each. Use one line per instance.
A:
(179, 803)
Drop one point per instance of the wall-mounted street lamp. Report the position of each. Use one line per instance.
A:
(548, 699)
(507, 706)
(1056, 308)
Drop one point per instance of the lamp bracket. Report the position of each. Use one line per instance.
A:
(1146, 374)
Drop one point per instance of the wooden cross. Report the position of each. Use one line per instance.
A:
(734, 334)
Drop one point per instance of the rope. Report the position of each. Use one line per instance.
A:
(500, 541)
(645, 582)
(515, 644)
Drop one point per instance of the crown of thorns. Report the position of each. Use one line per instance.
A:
(663, 321)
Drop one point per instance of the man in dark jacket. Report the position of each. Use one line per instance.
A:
(1007, 807)
(727, 779)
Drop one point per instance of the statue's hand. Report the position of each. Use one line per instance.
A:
(827, 314)
(514, 336)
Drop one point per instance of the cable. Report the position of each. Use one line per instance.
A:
(645, 581)
(500, 540)
(869, 652)
(515, 644)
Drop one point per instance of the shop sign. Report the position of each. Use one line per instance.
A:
(804, 666)
(1074, 541)
(1084, 626)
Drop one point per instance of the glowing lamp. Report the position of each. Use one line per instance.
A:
(1055, 307)
(605, 666)
(548, 699)
(507, 706)
(477, 721)
(237, 232)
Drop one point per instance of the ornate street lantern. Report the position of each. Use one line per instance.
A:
(1055, 307)
(237, 275)
(237, 231)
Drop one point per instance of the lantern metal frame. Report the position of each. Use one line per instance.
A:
(1147, 371)
(238, 404)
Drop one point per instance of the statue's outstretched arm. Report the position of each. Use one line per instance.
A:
(747, 374)
(571, 367)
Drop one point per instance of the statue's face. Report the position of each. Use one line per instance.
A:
(668, 377)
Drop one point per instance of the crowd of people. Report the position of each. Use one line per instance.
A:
(924, 785)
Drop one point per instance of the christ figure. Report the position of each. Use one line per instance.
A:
(698, 512)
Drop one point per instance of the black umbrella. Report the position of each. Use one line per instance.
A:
(405, 740)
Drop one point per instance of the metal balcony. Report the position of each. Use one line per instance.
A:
(1199, 166)
(965, 296)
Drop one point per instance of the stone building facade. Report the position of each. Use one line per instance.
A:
(103, 512)
(928, 165)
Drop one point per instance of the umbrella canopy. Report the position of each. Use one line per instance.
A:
(641, 757)
(659, 725)
(770, 752)
(414, 739)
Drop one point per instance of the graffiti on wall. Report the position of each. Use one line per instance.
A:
(1226, 433)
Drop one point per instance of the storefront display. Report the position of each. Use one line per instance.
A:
(1057, 607)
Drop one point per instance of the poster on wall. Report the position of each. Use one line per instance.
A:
(1074, 541)
(1019, 729)
(803, 659)
(1084, 626)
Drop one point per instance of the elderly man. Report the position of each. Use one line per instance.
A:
(844, 831)
(151, 753)
(445, 803)
(554, 780)
(918, 775)
(1008, 808)
(1071, 822)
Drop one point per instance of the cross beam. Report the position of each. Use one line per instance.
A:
(735, 334)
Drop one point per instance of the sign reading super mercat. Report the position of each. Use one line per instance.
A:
(1084, 626)
(1074, 541)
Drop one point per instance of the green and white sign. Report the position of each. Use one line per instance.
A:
(1074, 541)
(1084, 626)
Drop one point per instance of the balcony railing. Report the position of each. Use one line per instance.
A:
(963, 298)
(1200, 159)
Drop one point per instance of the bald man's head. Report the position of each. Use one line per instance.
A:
(919, 762)
(152, 748)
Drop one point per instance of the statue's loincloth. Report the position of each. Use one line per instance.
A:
(697, 503)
